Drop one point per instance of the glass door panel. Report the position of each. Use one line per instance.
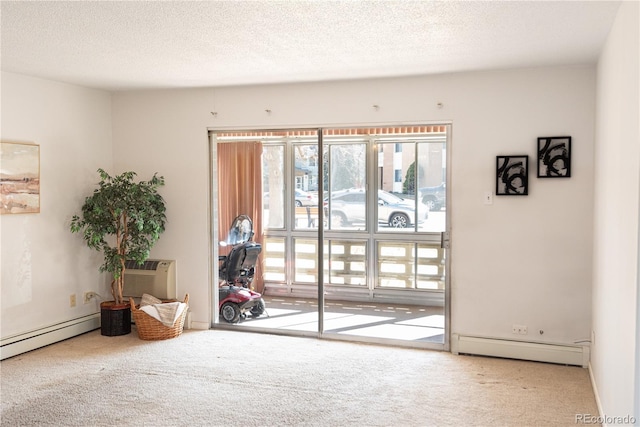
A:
(383, 274)
(402, 296)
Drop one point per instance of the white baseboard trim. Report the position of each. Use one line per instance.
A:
(21, 343)
(200, 325)
(595, 389)
(540, 352)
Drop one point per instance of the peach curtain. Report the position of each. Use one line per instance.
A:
(240, 191)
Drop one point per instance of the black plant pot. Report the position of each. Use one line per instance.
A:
(115, 319)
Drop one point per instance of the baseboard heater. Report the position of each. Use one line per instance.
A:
(552, 353)
(22, 343)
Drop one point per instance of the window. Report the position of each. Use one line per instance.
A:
(377, 184)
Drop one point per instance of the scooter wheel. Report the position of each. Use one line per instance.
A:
(258, 309)
(230, 312)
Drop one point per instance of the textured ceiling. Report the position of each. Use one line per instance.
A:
(151, 44)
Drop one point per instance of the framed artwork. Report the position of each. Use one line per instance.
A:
(554, 157)
(19, 178)
(512, 175)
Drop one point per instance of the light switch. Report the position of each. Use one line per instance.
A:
(488, 198)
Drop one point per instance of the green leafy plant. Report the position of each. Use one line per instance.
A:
(122, 219)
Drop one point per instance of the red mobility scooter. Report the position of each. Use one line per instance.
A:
(236, 271)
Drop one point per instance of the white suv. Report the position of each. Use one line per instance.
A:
(349, 207)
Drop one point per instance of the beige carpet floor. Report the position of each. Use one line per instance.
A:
(211, 378)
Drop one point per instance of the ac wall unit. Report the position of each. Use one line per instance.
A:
(155, 277)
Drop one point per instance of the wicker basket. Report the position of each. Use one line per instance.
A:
(152, 329)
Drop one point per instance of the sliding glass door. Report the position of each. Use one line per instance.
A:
(354, 233)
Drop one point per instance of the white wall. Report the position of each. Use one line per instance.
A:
(42, 262)
(615, 291)
(522, 260)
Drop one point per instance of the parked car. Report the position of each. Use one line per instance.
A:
(434, 197)
(349, 206)
(303, 198)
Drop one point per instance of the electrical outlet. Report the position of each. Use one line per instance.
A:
(72, 300)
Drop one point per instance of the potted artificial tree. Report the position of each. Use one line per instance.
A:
(122, 219)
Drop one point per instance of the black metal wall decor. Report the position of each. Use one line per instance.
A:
(554, 157)
(512, 175)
